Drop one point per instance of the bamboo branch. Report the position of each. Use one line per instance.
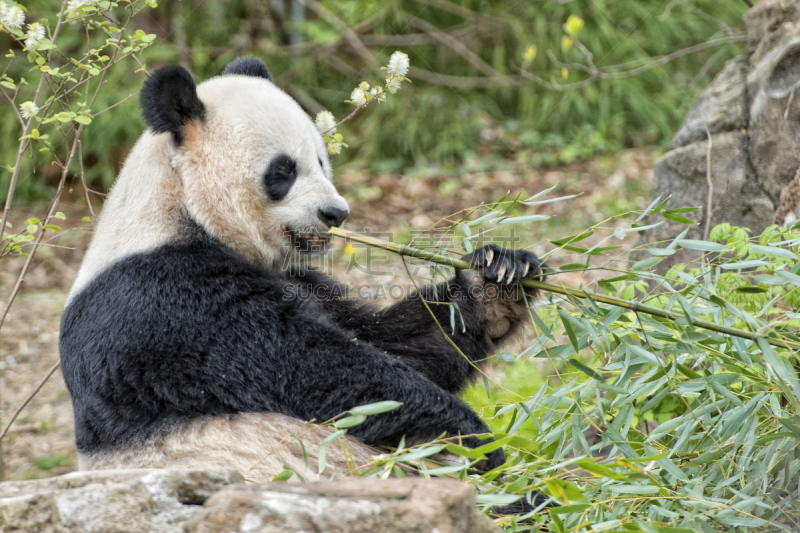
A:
(632, 305)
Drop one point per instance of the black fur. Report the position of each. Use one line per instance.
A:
(169, 100)
(248, 66)
(192, 329)
(280, 176)
(407, 330)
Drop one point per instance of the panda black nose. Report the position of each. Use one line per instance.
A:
(332, 216)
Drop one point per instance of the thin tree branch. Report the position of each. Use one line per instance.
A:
(455, 45)
(14, 107)
(709, 210)
(29, 398)
(112, 106)
(609, 73)
(407, 39)
(304, 99)
(465, 82)
(341, 27)
(51, 212)
(42, 231)
(83, 180)
(308, 47)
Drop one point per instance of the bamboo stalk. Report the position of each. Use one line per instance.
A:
(633, 305)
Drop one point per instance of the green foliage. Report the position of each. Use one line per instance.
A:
(687, 423)
(49, 462)
(72, 76)
(440, 120)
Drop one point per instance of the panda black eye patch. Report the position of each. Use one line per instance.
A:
(280, 176)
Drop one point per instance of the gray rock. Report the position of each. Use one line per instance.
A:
(774, 128)
(112, 501)
(753, 112)
(173, 501)
(722, 106)
(681, 174)
(767, 23)
(348, 505)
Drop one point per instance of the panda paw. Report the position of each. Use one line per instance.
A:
(504, 266)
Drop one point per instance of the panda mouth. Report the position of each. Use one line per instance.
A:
(308, 242)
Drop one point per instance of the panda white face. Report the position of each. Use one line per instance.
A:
(253, 167)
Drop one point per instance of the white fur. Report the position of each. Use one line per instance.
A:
(216, 176)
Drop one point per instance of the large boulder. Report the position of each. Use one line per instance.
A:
(173, 501)
(753, 115)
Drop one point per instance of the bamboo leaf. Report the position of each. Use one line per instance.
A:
(679, 219)
(559, 199)
(349, 421)
(375, 408)
(525, 218)
(333, 436)
(739, 265)
(497, 499)
(634, 489)
(644, 264)
(573, 238)
(705, 246)
(541, 193)
(419, 453)
(585, 369)
(568, 329)
(772, 250)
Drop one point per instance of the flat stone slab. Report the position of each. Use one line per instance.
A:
(172, 501)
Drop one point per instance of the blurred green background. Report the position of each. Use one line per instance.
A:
(467, 99)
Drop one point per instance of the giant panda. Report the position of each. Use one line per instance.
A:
(179, 345)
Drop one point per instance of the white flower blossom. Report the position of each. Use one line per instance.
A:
(74, 5)
(397, 69)
(334, 147)
(378, 94)
(11, 16)
(393, 83)
(33, 36)
(28, 109)
(398, 64)
(325, 122)
(358, 97)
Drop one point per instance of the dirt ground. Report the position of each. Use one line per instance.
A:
(41, 441)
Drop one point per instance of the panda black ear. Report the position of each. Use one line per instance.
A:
(248, 66)
(169, 100)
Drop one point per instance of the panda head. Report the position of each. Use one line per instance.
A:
(252, 167)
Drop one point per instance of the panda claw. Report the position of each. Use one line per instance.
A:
(501, 272)
(489, 257)
(525, 269)
(510, 276)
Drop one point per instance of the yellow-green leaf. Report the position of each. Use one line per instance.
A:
(573, 25)
(566, 43)
(530, 53)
